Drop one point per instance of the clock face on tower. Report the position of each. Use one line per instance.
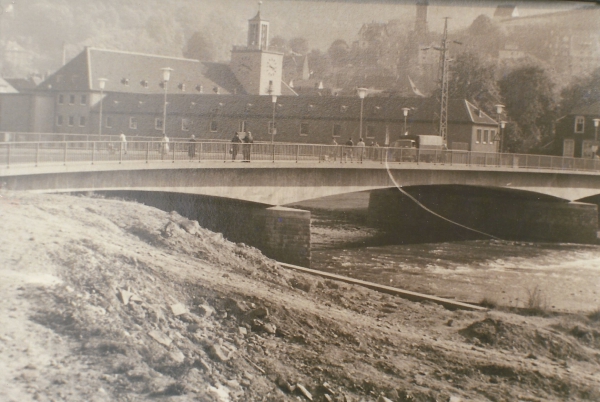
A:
(271, 66)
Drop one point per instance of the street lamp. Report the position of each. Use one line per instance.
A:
(405, 111)
(362, 92)
(596, 124)
(499, 109)
(273, 129)
(502, 125)
(101, 85)
(166, 75)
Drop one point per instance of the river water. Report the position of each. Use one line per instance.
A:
(565, 277)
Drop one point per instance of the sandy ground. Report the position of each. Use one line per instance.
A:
(106, 300)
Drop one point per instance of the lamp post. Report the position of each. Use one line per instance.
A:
(596, 124)
(362, 92)
(273, 129)
(499, 109)
(405, 111)
(101, 85)
(166, 75)
(502, 125)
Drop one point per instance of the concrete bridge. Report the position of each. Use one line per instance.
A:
(496, 189)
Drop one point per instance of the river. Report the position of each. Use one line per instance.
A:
(564, 277)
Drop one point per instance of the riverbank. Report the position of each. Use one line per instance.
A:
(106, 300)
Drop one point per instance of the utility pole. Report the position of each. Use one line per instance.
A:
(444, 84)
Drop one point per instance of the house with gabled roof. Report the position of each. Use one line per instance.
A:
(578, 132)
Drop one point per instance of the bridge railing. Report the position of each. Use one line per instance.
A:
(35, 153)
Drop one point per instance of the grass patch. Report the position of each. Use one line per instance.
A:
(594, 315)
(488, 302)
(536, 302)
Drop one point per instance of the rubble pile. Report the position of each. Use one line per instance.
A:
(150, 306)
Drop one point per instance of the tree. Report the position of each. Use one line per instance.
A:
(338, 53)
(528, 94)
(199, 48)
(583, 91)
(473, 79)
(298, 45)
(318, 63)
(278, 42)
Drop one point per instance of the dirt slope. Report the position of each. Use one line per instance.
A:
(106, 300)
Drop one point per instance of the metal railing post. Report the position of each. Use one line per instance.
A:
(65, 154)
(147, 151)
(120, 152)
(297, 152)
(320, 152)
(273, 152)
(174, 146)
(93, 151)
(200, 152)
(37, 153)
(8, 155)
(225, 156)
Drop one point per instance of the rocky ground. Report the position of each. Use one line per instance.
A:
(106, 300)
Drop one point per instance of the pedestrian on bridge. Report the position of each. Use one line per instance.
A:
(348, 151)
(164, 145)
(192, 147)
(123, 142)
(334, 149)
(360, 150)
(235, 146)
(247, 147)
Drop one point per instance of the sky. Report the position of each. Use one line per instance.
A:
(323, 21)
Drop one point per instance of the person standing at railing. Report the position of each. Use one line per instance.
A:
(334, 149)
(348, 150)
(123, 143)
(247, 147)
(360, 150)
(235, 146)
(376, 151)
(164, 145)
(192, 147)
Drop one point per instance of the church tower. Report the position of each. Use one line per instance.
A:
(256, 67)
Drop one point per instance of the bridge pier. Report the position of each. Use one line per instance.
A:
(280, 233)
(507, 215)
(286, 235)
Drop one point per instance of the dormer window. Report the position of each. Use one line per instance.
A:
(199, 88)
(216, 90)
(181, 86)
(144, 83)
(125, 81)
(579, 124)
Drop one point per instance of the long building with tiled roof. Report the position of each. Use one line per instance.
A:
(306, 119)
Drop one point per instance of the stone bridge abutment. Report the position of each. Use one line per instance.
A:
(506, 214)
(280, 233)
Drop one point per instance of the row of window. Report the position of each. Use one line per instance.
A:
(214, 125)
(485, 136)
(71, 120)
(72, 99)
